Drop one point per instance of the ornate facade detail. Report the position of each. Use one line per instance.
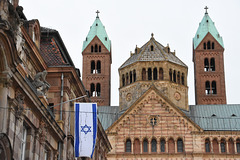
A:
(20, 101)
(40, 83)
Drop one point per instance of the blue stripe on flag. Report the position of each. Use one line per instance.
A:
(76, 130)
(94, 110)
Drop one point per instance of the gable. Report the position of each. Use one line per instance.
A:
(95, 41)
(153, 104)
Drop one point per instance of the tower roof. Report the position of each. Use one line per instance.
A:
(159, 53)
(97, 29)
(206, 26)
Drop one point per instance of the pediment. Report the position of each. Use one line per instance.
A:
(153, 104)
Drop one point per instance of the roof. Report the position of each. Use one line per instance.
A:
(97, 29)
(159, 53)
(108, 115)
(216, 117)
(53, 49)
(206, 26)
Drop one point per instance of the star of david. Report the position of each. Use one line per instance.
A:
(86, 129)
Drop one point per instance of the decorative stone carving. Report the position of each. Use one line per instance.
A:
(40, 83)
(4, 24)
(42, 131)
(20, 100)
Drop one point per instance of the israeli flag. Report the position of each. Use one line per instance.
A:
(85, 129)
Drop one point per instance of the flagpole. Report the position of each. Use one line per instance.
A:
(67, 101)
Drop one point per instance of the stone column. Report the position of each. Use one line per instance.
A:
(141, 150)
(211, 145)
(227, 149)
(235, 146)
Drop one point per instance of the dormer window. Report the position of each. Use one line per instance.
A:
(86, 38)
(96, 24)
(105, 38)
(151, 47)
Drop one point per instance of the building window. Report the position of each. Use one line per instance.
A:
(160, 74)
(179, 145)
(91, 48)
(215, 146)
(100, 48)
(208, 45)
(46, 155)
(162, 143)
(213, 45)
(182, 78)
(145, 145)
(98, 66)
(238, 145)
(128, 145)
(223, 146)
(204, 45)
(92, 89)
(96, 48)
(151, 47)
(207, 145)
(174, 76)
(178, 78)
(170, 74)
(23, 143)
(130, 77)
(214, 87)
(171, 146)
(123, 80)
(143, 74)
(212, 64)
(136, 146)
(126, 78)
(134, 75)
(154, 145)
(206, 65)
(98, 89)
(93, 71)
(155, 74)
(207, 88)
(153, 121)
(149, 73)
(231, 146)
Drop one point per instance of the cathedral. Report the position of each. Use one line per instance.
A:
(153, 119)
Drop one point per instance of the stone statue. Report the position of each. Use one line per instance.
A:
(40, 83)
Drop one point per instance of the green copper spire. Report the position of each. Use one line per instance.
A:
(97, 29)
(206, 26)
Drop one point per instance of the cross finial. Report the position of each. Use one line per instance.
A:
(206, 9)
(97, 13)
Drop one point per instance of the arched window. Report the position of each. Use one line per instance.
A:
(183, 79)
(207, 145)
(134, 75)
(223, 146)
(160, 74)
(136, 146)
(170, 75)
(130, 77)
(96, 48)
(162, 145)
(151, 47)
(213, 45)
(100, 48)
(204, 45)
(179, 145)
(214, 87)
(145, 145)
(123, 80)
(178, 78)
(171, 146)
(98, 89)
(127, 79)
(208, 45)
(98, 66)
(215, 146)
(93, 67)
(206, 65)
(212, 64)
(207, 88)
(155, 74)
(92, 89)
(149, 73)
(238, 145)
(143, 74)
(154, 145)
(231, 146)
(91, 48)
(174, 76)
(128, 146)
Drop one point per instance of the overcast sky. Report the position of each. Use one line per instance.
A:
(130, 22)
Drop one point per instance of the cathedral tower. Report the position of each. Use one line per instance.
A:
(97, 61)
(208, 62)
